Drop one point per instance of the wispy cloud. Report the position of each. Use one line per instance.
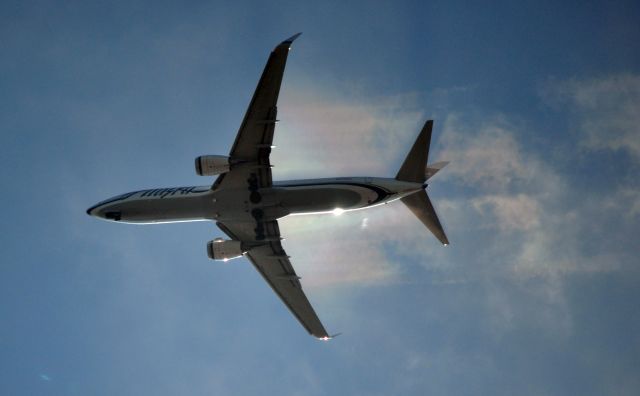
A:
(625, 200)
(329, 134)
(606, 110)
(540, 223)
(512, 212)
(483, 152)
(537, 227)
(517, 229)
(336, 250)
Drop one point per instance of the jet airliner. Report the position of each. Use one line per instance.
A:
(246, 203)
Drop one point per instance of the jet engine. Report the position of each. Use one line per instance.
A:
(225, 250)
(211, 165)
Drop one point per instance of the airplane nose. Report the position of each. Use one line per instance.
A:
(92, 211)
(107, 213)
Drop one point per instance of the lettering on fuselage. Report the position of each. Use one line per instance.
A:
(165, 192)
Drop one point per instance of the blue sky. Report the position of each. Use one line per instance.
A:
(536, 105)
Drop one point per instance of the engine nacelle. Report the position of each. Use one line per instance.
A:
(225, 250)
(211, 165)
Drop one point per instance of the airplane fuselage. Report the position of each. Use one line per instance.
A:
(293, 197)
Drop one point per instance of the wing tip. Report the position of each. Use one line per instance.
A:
(328, 337)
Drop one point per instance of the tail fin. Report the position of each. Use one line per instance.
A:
(415, 169)
(412, 170)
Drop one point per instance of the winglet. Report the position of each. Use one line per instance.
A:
(287, 42)
(292, 38)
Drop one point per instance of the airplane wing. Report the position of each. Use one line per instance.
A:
(270, 259)
(252, 148)
(255, 136)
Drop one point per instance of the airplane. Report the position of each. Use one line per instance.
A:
(246, 203)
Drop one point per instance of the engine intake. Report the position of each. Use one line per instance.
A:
(225, 250)
(211, 165)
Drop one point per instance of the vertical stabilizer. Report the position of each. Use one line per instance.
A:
(412, 170)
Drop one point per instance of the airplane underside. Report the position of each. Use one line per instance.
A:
(245, 203)
(166, 205)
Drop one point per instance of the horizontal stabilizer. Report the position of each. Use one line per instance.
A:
(420, 204)
(432, 169)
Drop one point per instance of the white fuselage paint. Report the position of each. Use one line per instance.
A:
(167, 205)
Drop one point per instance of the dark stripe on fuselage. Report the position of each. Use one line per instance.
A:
(382, 193)
(112, 200)
(161, 192)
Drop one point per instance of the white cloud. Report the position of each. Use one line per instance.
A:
(516, 212)
(510, 215)
(626, 200)
(330, 250)
(344, 134)
(607, 110)
(514, 192)
(482, 152)
(325, 135)
(539, 222)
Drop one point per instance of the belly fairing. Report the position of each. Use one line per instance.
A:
(163, 210)
(326, 198)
